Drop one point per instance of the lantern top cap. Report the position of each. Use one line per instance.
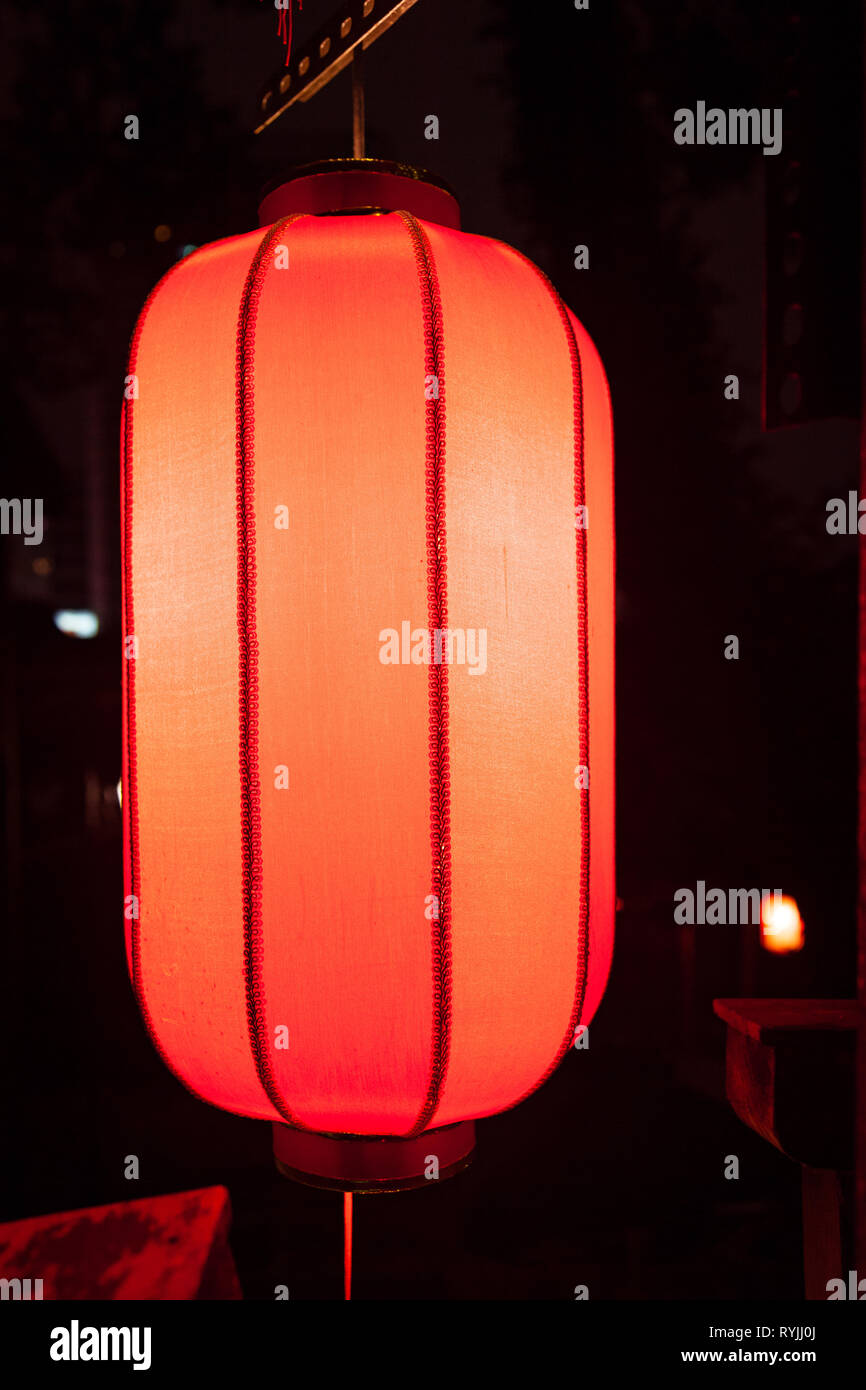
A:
(333, 186)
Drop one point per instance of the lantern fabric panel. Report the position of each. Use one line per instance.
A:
(182, 788)
(346, 863)
(513, 731)
(380, 428)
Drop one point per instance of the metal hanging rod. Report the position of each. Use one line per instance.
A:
(357, 25)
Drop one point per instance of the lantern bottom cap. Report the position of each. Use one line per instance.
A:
(358, 1163)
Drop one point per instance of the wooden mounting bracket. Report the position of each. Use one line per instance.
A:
(356, 25)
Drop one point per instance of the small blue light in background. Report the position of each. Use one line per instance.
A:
(185, 251)
(76, 622)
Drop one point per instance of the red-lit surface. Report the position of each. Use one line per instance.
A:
(782, 927)
(304, 908)
(174, 1247)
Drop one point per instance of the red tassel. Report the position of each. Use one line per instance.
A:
(284, 30)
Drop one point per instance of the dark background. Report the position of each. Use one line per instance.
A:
(556, 128)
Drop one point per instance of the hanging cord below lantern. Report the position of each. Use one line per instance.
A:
(347, 1246)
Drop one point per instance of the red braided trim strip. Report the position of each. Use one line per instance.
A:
(248, 703)
(437, 620)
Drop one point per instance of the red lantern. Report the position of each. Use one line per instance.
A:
(368, 588)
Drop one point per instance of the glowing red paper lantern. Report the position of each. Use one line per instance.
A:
(368, 597)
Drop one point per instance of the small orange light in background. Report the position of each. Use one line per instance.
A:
(162, 232)
(782, 927)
